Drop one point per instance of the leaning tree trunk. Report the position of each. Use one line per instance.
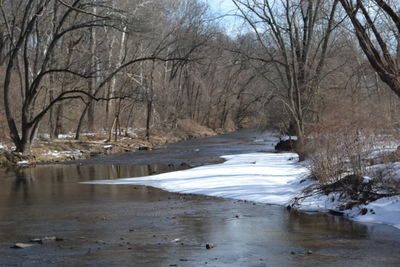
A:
(80, 122)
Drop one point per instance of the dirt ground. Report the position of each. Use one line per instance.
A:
(46, 150)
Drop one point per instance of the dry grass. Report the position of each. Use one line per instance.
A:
(193, 129)
(347, 144)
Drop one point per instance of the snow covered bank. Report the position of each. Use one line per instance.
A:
(384, 210)
(267, 178)
(261, 177)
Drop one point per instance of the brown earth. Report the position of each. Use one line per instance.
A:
(57, 150)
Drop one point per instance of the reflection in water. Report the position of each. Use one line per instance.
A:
(326, 225)
(45, 184)
(21, 184)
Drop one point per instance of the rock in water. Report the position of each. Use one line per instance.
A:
(209, 246)
(363, 211)
(286, 145)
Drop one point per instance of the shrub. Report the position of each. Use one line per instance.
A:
(347, 146)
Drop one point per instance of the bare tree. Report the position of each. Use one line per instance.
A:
(294, 37)
(34, 56)
(381, 51)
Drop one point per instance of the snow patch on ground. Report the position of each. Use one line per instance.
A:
(58, 154)
(134, 131)
(287, 137)
(385, 171)
(385, 210)
(66, 136)
(261, 177)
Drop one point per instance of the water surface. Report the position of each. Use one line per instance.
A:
(136, 226)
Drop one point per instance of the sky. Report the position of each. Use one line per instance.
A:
(224, 8)
(221, 5)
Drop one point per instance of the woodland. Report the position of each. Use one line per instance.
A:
(325, 71)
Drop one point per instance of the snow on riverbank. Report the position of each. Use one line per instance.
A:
(384, 210)
(261, 177)
(272, 178)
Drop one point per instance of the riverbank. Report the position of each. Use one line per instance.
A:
(90, 145)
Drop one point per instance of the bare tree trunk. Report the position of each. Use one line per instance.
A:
(149, 109)
(119, 63)
(58, 120)
(115, 127)
(51, 115)
(80, 122)
(108, 94)
(92, 81)
(150, 100)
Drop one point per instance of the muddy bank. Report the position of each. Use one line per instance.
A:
(66, 148)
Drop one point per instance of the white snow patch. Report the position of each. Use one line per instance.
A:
(385, 210)
(385, 171)
(58, 154)
(366, 180)
(134, 131)
(66, 136)
(260, 177)
(23, 162)
(72, 135)
(287, 137)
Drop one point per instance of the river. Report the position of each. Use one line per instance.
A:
(117, 225)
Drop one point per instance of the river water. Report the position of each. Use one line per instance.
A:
(116, 225)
